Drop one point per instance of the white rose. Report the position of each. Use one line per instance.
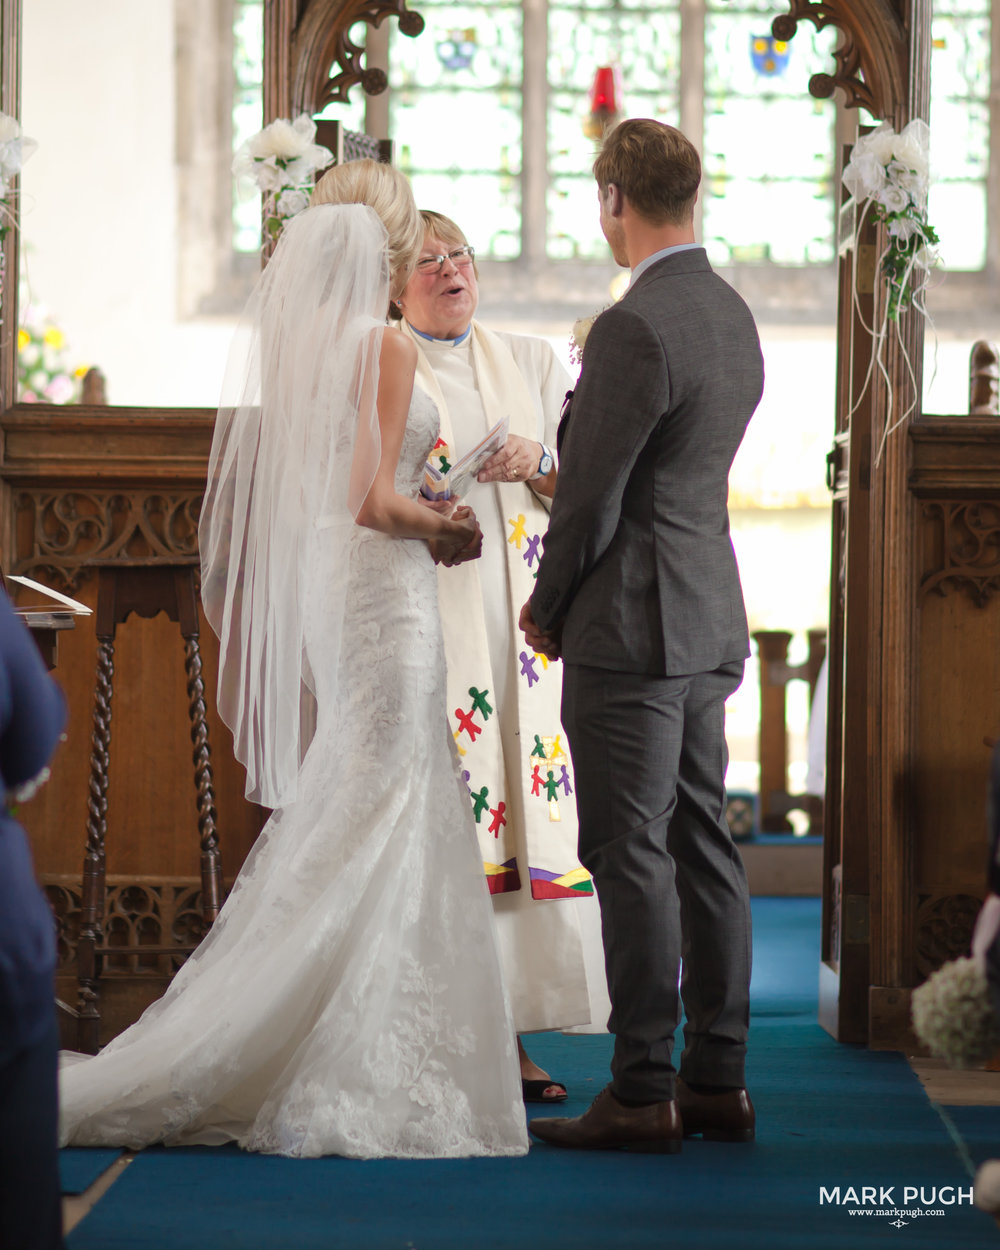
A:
(268, 176)
(864, 175)
(30, 355)
(892, 198)
(290, 202)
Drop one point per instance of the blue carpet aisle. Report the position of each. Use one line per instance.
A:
(78, 1169)
(828, 1116)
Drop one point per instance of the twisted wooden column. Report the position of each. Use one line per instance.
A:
(144, 590)
(211, 863)
(92, 902)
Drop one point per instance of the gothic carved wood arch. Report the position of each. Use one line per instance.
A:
(872, 58)
(310, 59)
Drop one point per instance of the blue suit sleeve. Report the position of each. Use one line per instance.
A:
(32, 707)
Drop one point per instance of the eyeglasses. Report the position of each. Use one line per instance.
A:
(461, 258)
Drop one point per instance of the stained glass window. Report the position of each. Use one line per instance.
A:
(645, 37)
(768, 145)
(960, 129)
(455, 117)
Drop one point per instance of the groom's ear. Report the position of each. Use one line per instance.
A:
(614, 200)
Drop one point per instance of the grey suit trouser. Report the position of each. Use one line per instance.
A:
(649, 763)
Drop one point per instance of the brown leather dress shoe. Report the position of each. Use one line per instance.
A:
(608, 1124)
(728, 1116)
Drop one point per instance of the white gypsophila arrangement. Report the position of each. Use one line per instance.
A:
(953, 1014)
(890, 173)
(281, 159)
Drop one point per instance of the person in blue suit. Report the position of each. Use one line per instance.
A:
(32, 713)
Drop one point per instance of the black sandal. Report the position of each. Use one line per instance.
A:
(534, 1091)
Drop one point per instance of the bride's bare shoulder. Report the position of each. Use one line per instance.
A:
(398, 352)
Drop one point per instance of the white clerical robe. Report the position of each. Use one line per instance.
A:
(504, 700)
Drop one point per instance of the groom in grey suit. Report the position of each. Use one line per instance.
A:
(639, 593)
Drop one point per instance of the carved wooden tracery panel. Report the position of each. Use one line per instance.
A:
(310, 59)
(944, 929)
(322, 42)
(872, 57)
(74, 531)
(155, 913)
(967, 555)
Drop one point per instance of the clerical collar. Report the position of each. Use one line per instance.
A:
(643, 265)
(443, 342)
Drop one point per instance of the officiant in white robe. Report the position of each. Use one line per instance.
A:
(504, 700)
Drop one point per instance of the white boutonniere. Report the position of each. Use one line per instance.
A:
(578, 336)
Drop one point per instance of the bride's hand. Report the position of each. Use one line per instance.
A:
(463, 543)
(445, 507)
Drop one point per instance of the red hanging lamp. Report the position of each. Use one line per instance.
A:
(606, 99)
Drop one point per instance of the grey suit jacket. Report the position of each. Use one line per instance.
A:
(639, 572)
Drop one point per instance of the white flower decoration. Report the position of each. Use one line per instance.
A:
(911, 145)
(879, 143)
(281, 159)
(953, 1014)
(889, 172)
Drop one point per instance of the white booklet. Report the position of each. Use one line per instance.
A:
(455, 481)
(73, 605)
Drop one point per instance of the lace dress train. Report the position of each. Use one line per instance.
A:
(348, 999)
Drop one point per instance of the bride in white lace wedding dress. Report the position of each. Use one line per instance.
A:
(348, 999)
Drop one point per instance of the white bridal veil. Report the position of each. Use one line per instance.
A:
(295, 451)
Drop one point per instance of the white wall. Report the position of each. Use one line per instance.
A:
(99, 200)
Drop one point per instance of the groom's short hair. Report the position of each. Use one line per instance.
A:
(654, 166)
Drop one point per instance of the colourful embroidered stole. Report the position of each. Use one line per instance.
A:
(539, 781)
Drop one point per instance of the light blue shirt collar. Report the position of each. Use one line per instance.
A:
(451, 342)
(643, 265)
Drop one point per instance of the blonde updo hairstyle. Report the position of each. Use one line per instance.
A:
(388, 192)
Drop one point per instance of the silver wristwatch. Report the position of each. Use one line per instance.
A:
(545, 464)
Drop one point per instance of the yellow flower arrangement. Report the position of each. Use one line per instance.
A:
(43, 373)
